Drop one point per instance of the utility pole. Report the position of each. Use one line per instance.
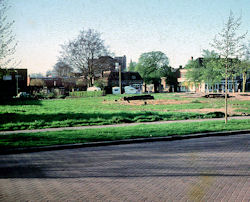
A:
(16, 76)
(120, 78)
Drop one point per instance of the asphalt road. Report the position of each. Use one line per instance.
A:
(203, 169)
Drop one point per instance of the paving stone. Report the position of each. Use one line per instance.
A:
(204, 169)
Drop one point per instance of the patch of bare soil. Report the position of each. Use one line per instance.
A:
(234, 96)
(241, 96)
(207, 110)
(153, 102)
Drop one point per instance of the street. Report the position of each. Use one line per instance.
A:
(200, 169)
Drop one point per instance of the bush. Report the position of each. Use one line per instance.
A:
(195, 101)
(51, 95)
(61, 96)
(215, 115)
(86, 93)
(40, 95)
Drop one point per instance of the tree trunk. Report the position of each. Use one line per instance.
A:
(226, 94)
(155, 88)
(244, 80)
(145, 87)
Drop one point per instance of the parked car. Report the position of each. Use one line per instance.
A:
(94, 88)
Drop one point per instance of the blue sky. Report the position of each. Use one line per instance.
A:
(179, 28)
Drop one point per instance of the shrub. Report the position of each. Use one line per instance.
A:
(51, 95)
(86, 93)
(61, 96)
(40, 95)
(195, 101)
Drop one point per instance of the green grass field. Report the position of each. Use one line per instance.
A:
(108, 109)
(117, 133)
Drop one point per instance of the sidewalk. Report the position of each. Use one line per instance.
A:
(118, 125)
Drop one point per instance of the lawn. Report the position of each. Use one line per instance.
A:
(117, 133)
(109, 109)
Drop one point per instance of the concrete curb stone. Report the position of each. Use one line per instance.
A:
(119, 142)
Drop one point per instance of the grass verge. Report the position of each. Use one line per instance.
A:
(119, 133)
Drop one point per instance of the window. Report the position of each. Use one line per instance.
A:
(7, 77)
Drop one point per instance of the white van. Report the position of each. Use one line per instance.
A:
(130, 90)
(116, 90)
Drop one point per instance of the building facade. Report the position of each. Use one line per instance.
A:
(234, 84)
(12, 81)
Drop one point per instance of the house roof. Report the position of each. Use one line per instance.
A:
(114, 75)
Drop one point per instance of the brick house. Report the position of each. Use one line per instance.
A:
(111, 79)
(12, 81)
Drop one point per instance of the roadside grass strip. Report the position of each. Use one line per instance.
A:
(117, 133)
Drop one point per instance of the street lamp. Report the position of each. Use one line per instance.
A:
(17, 76)
(119, 68)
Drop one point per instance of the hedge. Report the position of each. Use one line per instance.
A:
(86, 93)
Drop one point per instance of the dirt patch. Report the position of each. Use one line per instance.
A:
(154, 102)
(233, 96)
(207, 110)
(242, 97)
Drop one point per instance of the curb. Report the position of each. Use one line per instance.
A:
(119, 142)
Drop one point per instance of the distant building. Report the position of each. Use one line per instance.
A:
(107, 63)
(185, 86)
(122, 61)
(111, 79)
(103, 63)
(12, 81)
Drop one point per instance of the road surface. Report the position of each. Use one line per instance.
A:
(203, 169)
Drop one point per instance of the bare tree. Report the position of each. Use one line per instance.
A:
(7, 38)
(62, 69)
(81, 52)
(228, 45)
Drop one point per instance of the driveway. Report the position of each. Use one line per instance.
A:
(203, 169)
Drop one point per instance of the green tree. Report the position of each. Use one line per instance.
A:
(131, 66)
(194, 72)
(151, 66)
(228, 45)
(211, 68)
(245, 65)
(101, 83)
